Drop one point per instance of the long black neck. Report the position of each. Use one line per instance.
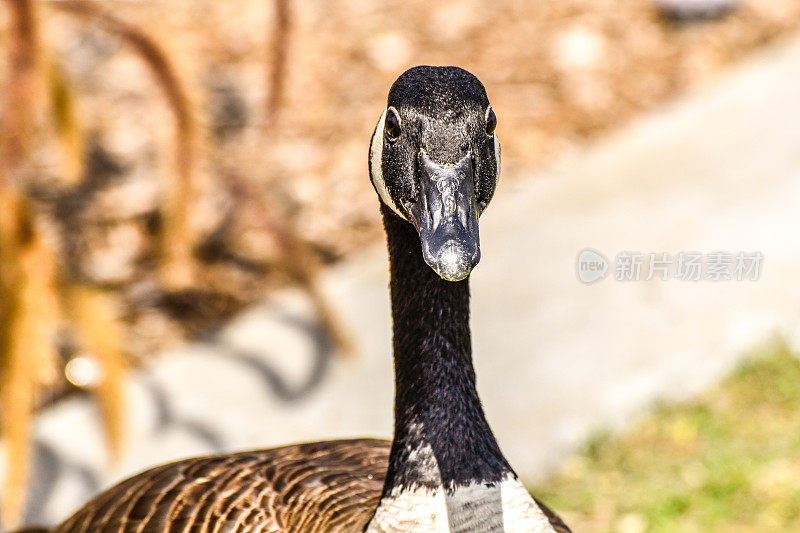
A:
(437, 408)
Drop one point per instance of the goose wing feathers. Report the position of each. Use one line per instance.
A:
(331, 486)
(328, 486)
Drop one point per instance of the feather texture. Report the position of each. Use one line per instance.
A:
(323, 486)
(331, 486)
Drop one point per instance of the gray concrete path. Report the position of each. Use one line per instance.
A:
(718, 170)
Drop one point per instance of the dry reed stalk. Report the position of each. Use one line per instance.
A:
(95, 314)
(67, 129)
(295, 254)
(276, 70)
(15, 411)
(26, 266)
(31, 321)
(22, 89)
(177, 239)
(29, 306)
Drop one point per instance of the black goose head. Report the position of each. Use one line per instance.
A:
(434, 162)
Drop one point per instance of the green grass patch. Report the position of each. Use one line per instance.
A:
(728, 461)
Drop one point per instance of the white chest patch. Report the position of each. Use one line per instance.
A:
(504, 507)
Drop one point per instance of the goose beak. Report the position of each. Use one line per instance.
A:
(446, 217)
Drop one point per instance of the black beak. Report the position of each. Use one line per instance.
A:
(446, 217)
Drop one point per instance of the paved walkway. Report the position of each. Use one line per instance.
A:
(718, 170)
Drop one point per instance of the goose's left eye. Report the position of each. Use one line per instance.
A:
(392, 124)
(491, 121)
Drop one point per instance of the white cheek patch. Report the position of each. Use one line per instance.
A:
(497, 167)
(497, 153)
(376, 167)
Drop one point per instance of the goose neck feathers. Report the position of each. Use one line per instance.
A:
(437, 409)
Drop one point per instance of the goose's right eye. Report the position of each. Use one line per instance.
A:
(392, 125)
(491, 121)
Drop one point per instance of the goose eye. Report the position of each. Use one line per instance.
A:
(392, 125)
(491, 121)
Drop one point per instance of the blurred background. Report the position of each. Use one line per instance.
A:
(191, 254)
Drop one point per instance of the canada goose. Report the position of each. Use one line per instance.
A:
(434, 162)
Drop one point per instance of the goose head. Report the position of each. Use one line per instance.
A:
(434, 162)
